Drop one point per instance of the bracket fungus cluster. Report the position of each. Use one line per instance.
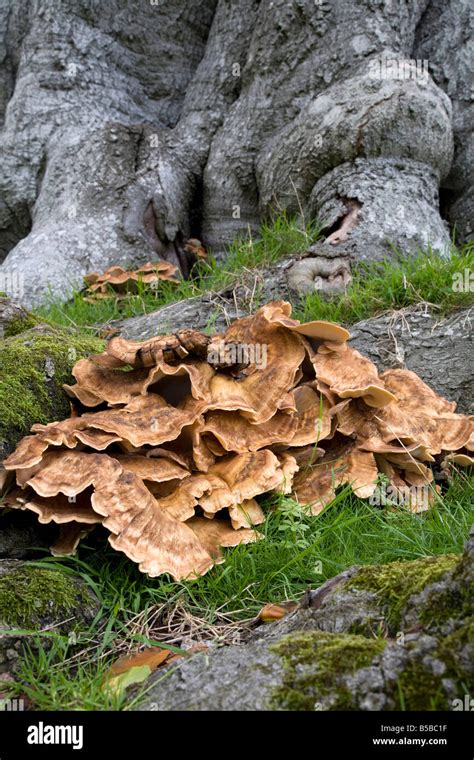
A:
(117, 282)
(173, 439)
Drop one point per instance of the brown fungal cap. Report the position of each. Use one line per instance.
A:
(6, 477)
(247, 475)
(278, 313)
(312, 416)
(145, 420)
(156, 469)
(97, 440)
(167, 348)
(413, 394)
(319, 329)
(103, 384)
(179, 440)
(236, 433)
(198, 373)
(214, 534)
(437, 432)
(276, 371)
(69, 538)
(116, 282)
(57, 509)
(146, 533)
(343, 462)
(246, 515)
(351, 375)
(460, 458)
(71, 472)
(29, 452)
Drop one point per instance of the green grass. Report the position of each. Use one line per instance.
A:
(379, 287)
(51, 682)
(375, 287)
(297, 552)
(276, 240)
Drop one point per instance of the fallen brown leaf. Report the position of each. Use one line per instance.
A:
(272, 612)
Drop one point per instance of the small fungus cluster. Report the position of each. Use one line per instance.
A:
(117, 282)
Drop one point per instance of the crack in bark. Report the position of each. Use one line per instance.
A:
(339, 231)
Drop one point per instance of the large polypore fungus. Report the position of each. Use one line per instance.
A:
(174, 439)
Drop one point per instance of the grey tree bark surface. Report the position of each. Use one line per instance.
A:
(129, 127)
(438, 349)
(452, 68)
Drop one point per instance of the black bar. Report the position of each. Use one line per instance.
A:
(131, 735)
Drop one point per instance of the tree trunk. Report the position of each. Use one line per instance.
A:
(130, 127)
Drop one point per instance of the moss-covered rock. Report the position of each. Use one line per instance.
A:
(419, 684)
(29, 594)
(34, 599)
(395, 583)
(317, 666)
(19, 325)
(14, 319)
(413, 651)
(34, 364)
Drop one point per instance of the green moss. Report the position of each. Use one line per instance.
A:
(445, 604)
(21, 324)
(419, 689)
(462, 636)
(455, 601)
(33, 367)
(28, 594)
(396, 582)
(450, 652)
(314, 666)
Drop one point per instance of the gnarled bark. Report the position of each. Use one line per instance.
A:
(127, 129)
(444, 37)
